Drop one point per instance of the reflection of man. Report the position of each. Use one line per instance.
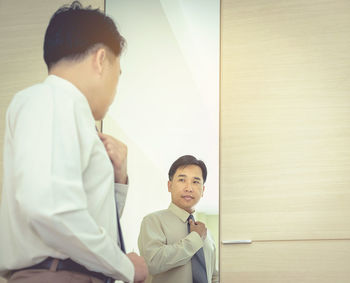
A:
(62, 180)
(175, 247)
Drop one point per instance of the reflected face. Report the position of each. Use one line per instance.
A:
(186, 187)
(109, 84)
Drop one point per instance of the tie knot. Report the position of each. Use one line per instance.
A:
(190, 218)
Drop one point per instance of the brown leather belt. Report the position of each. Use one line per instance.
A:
(69, 265)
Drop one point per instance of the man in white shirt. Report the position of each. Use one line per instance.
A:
(65, 184)
(177, 248)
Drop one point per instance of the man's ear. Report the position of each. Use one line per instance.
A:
(169, 186)
(99, 58)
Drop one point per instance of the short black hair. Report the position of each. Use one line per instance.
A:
(73, 30)
(184, 161)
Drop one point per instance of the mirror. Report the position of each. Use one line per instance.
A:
(167, 103)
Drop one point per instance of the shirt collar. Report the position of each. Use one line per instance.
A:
(179, 212)
(66, 85)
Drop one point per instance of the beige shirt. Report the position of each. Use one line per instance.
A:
(58, 195)
(167, 247)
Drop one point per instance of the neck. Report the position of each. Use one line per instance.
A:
(71, 71)
(189, 210)
(79, 74)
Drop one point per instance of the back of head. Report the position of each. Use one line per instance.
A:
(184, 161)
(74, 30)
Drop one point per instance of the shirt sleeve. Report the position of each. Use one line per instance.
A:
(161, 256)
(215, 277)
(121, 191)
(50, 153)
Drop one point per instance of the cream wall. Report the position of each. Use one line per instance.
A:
(22, 29)
(285, 141)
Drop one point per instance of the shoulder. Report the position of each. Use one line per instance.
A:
(157, 216)
(28, 104)
(30, 94)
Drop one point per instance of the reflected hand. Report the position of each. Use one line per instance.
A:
(198, 227)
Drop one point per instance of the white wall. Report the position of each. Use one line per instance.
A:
(168, 99)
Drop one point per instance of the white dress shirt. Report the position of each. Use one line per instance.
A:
(58, 196)
(168, 248)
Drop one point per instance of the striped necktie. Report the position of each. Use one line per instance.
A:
(199, 271)
(120, 234)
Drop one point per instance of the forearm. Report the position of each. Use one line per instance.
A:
(75, 234)
(215, 278)
(163, 257)
(60, 218)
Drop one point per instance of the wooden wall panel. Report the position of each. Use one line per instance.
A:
(22, 29)
(285, 129)
(285, 109)
(308, 213)
(287, 262)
